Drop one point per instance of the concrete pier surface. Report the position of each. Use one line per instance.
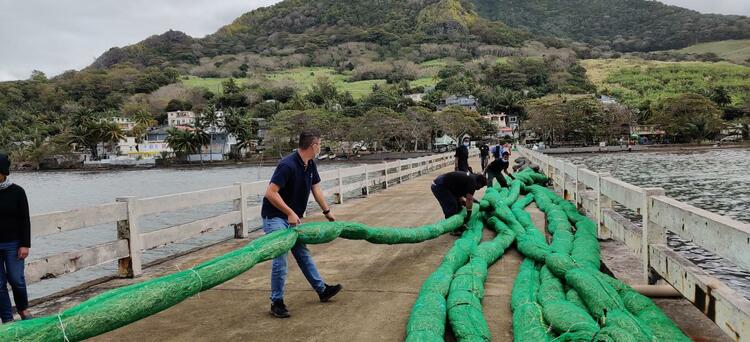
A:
(380, 282)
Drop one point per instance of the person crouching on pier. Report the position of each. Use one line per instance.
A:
(496, 169)
(456, 189)
(15, 241)
(284, 203)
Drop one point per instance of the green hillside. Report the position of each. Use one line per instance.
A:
(624, 25)
(737, 51)
(639, 83)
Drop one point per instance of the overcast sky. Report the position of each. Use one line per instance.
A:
(58, 35)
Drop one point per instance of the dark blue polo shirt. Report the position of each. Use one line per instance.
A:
(295, 181)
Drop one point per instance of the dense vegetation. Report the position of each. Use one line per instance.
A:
(302, 29)
(623, 25)
(346, 66)
(659, 93)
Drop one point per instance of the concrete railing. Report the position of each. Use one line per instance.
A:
(127, 212)
(597, 192)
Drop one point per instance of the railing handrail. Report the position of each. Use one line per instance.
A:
(129, 242)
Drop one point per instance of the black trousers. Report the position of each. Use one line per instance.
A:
(448, 202)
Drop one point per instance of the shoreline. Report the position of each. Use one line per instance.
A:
(373, 158)
(641, 148)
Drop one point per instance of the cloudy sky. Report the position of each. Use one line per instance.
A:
(58, 35)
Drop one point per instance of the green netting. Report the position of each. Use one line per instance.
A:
(428, 315)
(119, 307)
(528, 319)
(467, 289)
(626, 321)
(572, 262)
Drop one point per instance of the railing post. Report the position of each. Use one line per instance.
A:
(385, 183)
(602, 203)
(340, 194)
(240, 230)
(400, 171)
(580, 187)
(129, 229)
(652, 234)
(366, 189)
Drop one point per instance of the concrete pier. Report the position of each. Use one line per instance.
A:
(380, 282)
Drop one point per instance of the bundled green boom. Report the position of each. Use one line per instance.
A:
(122, 306)
(596, 306)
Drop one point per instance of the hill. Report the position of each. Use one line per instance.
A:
(641, 84)
(623, 25)
(307, 27)
(736, 51)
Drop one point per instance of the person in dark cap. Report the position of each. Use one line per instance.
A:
(454, 190)
(15, 241)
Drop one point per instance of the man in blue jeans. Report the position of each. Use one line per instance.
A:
(285, 202)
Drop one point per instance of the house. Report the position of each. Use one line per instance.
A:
(507, 125)
(125, 124)
(468, 102)
(604, 99)
(181, 118)
(415, 97)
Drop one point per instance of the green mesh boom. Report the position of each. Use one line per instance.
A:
(122, 306)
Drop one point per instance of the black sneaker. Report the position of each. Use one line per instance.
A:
(278, 309)
(329, 292)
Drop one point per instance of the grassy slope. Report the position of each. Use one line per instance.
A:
(737, 51)
(305, 77)
(635, 81)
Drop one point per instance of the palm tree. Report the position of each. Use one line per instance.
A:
(209, 121)
(181, 142)
(242, 127)
(200, 138)
(110, 133)
(143, 120)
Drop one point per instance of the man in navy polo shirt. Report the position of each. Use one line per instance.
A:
(285, 202)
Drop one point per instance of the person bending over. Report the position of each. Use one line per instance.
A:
(496, 169)
(456, 189)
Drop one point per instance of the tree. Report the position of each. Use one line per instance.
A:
(110, 133)
(181, 142)
(420, 123)
(230, 86)
(243, 128)
(457, 121)
(720, 96)
(688, 117)
(569, 119)
(380, 126)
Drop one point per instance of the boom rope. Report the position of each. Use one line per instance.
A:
(119, 307)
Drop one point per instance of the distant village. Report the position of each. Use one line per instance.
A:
(153, 146)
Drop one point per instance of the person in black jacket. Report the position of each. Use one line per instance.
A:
(454, 190)
(484, 153)
(495, 171)
(15, 241)
(462, 156)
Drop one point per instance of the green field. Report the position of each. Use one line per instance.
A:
(305, 78)
(638, 82)
(737, 51)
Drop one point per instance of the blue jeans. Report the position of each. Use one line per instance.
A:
(11, 271)
(280, 268)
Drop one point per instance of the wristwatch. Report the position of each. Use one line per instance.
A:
(325, 212)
